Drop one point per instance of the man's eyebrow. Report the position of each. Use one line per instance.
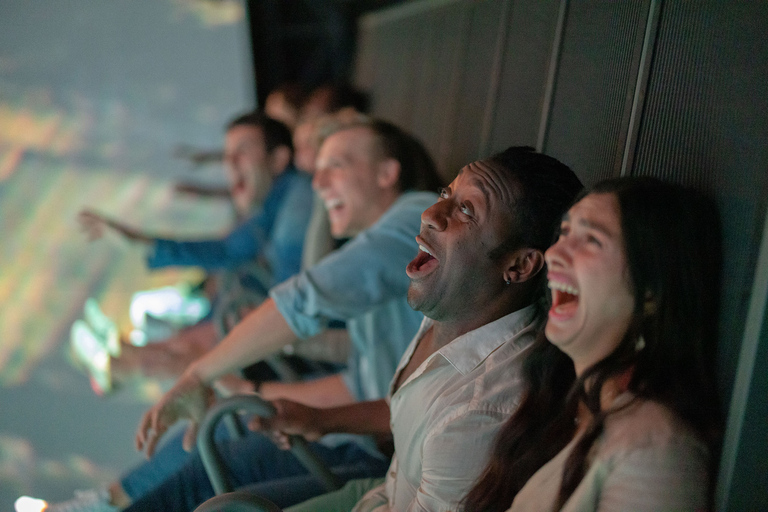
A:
(479, 184)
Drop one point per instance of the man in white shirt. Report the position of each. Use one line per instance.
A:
(477, 278)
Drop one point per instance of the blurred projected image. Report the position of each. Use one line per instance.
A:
(95, 99)
(155, 315)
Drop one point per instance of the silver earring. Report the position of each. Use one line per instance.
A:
(508, 281)
(640, 343)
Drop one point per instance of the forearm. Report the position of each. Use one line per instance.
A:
(371, 418)
(260, 334)
(129, 232)
(325, 392)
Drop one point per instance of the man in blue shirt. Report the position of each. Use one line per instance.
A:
(271, 195)
(273, 198)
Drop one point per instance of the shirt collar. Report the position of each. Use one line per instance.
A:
(467, 351)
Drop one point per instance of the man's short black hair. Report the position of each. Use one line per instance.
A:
(276, 134)
(545, 189)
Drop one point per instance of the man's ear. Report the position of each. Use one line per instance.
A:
(279, 159)
(524, 264)
(388, 173)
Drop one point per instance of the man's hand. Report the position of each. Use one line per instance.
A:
(95, 225)
(188, 399)
(291, 418)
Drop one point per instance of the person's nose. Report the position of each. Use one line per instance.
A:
(320, 179)
(558, 255)
(434, 217)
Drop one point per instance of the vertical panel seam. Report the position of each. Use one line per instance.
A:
(744, 374)
(641, 86)
(554, 64)
(454, 88)
(492, 99)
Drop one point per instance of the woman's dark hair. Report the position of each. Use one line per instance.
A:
(673, 248)
(275, 133)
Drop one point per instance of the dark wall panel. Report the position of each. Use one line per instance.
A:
(410, 59)
(395, 54)
(463, 134)
(523, 74)
(594, 86)
(705, 124)
(435, 95)
(465, 76)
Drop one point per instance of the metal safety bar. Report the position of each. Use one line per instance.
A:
(214, 463)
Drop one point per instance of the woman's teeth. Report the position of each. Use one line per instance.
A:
(563, 287)
(421, 247)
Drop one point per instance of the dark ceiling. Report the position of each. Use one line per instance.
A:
(310, 42)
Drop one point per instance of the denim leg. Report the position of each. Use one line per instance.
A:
(168, 459)
(251, 459)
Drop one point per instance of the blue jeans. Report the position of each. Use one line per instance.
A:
(254, 459)
(168, 459)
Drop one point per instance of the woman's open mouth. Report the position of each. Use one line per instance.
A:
(565, 299)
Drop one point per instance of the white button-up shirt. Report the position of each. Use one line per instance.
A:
(446, 415)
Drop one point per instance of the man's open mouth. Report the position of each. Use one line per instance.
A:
(423, 264)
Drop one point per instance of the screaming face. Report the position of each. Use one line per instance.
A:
(592, 298)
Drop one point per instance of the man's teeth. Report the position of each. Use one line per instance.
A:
(421, 247)
(555, 285)
(330, 204)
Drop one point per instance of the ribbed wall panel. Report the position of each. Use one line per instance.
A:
(475, 74)
(595, 86)
(705, 125)
(523, 74)
(411, 60)
(435, 100)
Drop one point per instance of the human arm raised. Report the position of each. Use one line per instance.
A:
(95, 225)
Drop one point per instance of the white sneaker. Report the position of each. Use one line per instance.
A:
(103, 326)
(84, 501)
(91, 353)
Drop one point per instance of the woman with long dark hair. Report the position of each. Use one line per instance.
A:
(621, 410)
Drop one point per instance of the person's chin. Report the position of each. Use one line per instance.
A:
(421, 296)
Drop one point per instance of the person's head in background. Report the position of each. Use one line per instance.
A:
(635, 279)
(257, 149)
(310, 134)
(331, 98)
(283, 103)
(363, 168)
